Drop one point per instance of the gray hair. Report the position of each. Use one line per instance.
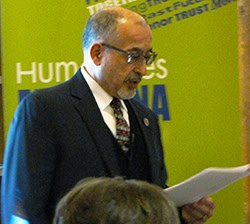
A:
(116, 201)
(100, 26)
(103, 25)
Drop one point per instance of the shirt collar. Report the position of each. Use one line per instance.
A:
(103, 99)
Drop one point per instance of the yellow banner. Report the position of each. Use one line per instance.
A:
(193, 86)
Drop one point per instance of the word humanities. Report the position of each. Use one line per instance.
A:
(39, 72)
(62, 71)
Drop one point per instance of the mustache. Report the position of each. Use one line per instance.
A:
(136, 77)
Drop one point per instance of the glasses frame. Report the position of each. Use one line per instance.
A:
(131, 56)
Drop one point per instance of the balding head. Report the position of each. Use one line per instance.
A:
(117, 45)
(103, 25)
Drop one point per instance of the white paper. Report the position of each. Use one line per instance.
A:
(206, 183)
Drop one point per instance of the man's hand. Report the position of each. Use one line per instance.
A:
(198, 212)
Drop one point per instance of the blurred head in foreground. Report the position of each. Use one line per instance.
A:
(115, 201)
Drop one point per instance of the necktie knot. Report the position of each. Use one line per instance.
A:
(116, 105)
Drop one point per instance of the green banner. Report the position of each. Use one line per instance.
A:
(193, 85)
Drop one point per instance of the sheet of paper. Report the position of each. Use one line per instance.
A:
(206, 183)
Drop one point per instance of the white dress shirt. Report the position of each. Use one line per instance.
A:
(103, 101)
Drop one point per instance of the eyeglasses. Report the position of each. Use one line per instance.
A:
(135, 57)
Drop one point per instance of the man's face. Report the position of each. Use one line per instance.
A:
(116, 75)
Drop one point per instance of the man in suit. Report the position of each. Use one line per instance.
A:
(65, 133)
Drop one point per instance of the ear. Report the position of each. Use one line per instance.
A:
(96, 53)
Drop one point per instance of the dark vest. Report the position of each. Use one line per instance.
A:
(134, 164)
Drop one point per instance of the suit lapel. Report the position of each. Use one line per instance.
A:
(82, 99)
(147, 132)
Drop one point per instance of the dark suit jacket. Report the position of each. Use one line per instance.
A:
(57, 137)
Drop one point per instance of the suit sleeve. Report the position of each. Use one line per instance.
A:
(28, 164)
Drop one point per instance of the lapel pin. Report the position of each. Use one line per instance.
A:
(146, 122)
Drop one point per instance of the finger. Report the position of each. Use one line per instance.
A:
(205, 207)
(191, 213)
(208, 202)
(193, 221)
(198, 212)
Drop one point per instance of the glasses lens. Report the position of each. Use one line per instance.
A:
(150, 58)
(138, 59)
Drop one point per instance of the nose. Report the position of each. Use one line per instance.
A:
(141, 67)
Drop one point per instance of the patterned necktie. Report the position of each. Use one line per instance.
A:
(122, 128)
